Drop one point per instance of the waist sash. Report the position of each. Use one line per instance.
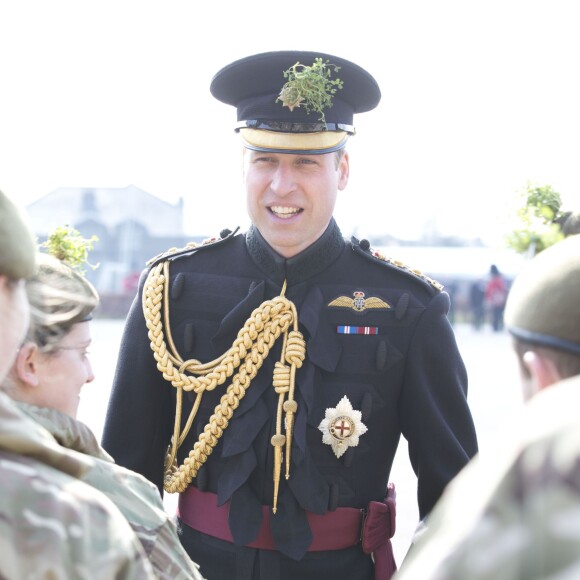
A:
(334, 530)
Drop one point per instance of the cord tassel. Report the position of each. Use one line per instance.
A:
(267, 323)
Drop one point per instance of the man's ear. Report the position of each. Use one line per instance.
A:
(26, 364)
(343, 171)
(542, 369)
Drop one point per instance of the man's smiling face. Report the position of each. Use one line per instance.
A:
(291, 198)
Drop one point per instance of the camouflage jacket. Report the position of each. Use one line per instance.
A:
(514, 513)
(52, 525)
(137, 498)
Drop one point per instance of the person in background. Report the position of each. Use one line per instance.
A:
(52, 525)
(496, 291)
(282, 365)
(477, 303)
(514, 513)
(51, 368)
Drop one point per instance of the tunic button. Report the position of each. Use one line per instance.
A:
(365, 245)
(401, 307)
(177, 286)
(366, 406)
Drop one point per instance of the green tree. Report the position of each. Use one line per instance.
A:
(539, 220)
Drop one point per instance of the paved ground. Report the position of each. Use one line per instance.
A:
(493, 394)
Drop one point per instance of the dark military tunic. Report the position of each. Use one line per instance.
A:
(408, 379)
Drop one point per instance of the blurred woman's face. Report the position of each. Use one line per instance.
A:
(14, 314)
(63, 371)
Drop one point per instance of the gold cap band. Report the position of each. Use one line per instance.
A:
(313, 143)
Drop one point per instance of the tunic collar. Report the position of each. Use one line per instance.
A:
(299, 268)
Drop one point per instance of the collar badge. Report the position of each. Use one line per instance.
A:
(359, 303)
(342, 427)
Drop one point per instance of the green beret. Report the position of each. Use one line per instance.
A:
(18, 255)
(543, 305)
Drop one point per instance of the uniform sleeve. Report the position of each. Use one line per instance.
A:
(141, 410)
(435, 417)
(512, 512)
(139, 502)
(54, 526)
(483, 536)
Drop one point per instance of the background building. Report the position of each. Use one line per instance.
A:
(132, 226)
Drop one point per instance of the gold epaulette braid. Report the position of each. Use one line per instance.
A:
(254, 341)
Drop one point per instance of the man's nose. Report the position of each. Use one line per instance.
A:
(283, 180)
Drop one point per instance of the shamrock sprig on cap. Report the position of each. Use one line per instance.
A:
(311, 86)
(68, 245)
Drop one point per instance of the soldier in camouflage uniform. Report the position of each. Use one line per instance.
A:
(516, 513)
(50, 369)
(52, 525)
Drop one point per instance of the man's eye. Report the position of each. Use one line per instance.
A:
(306, 161)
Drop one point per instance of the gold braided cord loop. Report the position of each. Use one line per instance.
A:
(272, 319)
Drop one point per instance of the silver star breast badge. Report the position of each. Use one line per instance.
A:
(342, 427)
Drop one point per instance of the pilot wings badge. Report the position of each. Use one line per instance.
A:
(359, 303)
(342, 427)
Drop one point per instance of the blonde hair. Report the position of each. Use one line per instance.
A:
(59, 298)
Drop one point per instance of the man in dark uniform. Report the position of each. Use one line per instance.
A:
(293, 359)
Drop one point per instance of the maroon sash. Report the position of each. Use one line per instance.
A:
(335, 530)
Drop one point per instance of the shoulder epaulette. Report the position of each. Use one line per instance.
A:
(191, 247)
(364, 248)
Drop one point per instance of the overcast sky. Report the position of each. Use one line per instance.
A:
(479, 98)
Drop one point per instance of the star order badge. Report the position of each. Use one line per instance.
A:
(342, 427)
